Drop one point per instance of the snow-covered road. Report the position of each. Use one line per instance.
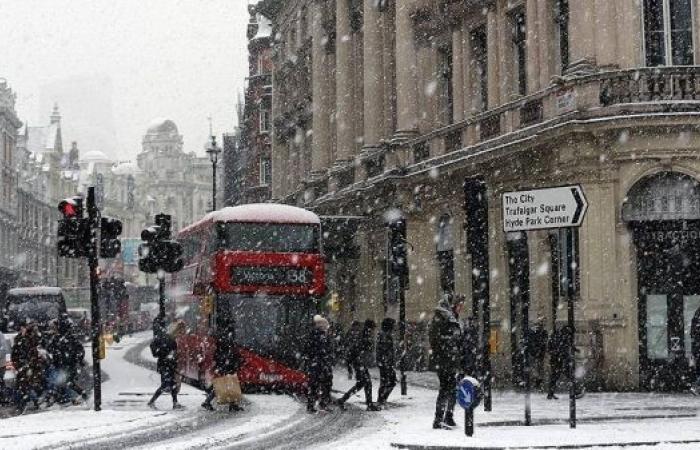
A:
(269, 421)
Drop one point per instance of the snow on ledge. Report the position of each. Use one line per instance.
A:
(40, 290)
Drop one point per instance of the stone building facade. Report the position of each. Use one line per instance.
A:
(248, 152)
(389, 106)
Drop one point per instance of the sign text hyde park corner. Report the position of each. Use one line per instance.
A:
(542, 209)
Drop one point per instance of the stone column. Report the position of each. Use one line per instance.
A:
(492, 38)
(605, 34)
(457, 73)
(467, 72)
(320, 150)
(545, 14)
(373, 70)
(406, 67)
(534, 65)
(343, 83)
(581, 35)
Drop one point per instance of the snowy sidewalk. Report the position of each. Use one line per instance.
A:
(604, 419)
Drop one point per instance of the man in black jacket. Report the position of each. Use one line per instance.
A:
(360, 356)
(164, 348)
(537, 350)
(227, 361)
(319, 365)
(446, 346)
(386, 353)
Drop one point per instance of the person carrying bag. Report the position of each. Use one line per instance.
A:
(225, 387)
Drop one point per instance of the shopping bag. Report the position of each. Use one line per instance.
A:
(227, 389)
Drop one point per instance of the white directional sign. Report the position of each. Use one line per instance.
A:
(541, 209)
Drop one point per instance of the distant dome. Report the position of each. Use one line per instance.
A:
(126, 168)
(162, 126)
(95, 156)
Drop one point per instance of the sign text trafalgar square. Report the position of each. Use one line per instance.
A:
(541, 209)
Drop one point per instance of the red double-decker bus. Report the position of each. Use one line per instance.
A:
(260, 264)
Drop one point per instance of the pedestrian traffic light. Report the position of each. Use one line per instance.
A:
(73, 229)
(110, 229)
(159, 252)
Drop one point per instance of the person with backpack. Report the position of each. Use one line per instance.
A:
(360, 355)
(164, 349)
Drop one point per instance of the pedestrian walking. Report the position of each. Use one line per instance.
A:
(470, 347)
(74, 356)
(319, 363)
(227, 361)
(386, 353)
(164, 349)
(30, 366)
(537, 350)
(695, 349)
(360, 355)
(446, 346)
(559, 356)
(351, 336)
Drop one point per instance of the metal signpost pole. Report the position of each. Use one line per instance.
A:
(402, 332)
(524, 284)
(572, 291)
(93, 222)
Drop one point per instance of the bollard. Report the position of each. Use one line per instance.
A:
(469, 422)
(468, 396)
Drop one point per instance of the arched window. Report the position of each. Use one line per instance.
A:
(445, 253)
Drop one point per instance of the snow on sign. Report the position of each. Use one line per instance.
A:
(541, 209)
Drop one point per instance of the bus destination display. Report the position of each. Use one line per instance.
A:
(271, 276)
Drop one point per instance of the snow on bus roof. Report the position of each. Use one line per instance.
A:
(40, 290)
(259, 212)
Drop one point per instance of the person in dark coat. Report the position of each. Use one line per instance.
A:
(470, 347)
(537, 350)
(386, 355)
(164, 348)
(73, 354)
(695, 349)
(559, 356)
(351, 336)
(319, 364)
(360, 355)
(446, 345)
(30, 366)
(227, 361)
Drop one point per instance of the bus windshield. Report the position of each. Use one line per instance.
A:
(266, 237)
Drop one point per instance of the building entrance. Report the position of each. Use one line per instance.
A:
(662, 212)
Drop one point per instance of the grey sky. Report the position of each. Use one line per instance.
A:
(181, 59)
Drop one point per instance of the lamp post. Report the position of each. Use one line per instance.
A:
(213, 152)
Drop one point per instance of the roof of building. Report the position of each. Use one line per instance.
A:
(126, 168)
(95, 156)
(162, 125)
(42, 139)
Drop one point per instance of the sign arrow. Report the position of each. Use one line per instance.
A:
(542, 209)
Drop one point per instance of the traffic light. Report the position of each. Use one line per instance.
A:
(398, 252)
(110, 229)
(159, 252)
(73, 229)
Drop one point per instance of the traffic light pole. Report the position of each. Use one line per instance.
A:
(161, 295)
(93, 220)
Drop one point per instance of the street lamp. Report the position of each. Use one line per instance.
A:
(213, 152)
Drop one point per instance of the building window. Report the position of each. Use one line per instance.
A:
(519, 36)
(265, 121)
(445, 254)
(261, 64)
(561, 18)
(265, 171)
(446, 94)
(480, 68)
(668, 32)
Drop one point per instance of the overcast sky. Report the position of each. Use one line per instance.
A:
(180, 59)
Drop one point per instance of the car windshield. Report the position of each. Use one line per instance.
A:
(37, 308)
(271, 326)
(265, 237)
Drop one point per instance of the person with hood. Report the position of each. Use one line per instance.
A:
(319, 360)
(164, 349)
(360, 355)
(351, 336)
(386, 353)
(446, 345)
(695, 349)
(227, 361)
